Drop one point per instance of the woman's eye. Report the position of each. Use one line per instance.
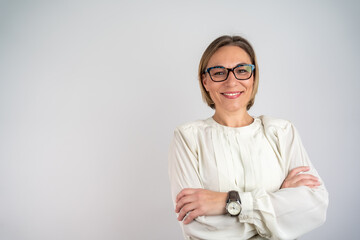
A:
(242, 71)
(218, 72)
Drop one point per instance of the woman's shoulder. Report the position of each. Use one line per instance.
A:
(188, 131)
(276, 126)
(193, 125)
(272, 122)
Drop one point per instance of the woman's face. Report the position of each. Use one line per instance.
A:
(231, 95)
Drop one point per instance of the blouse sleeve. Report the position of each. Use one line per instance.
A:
(183, 170)
(287, 213)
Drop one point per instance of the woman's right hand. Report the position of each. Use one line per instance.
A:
(296, 179)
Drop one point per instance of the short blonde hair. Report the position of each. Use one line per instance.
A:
(209, 52)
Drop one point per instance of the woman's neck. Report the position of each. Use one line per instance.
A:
(237, 119)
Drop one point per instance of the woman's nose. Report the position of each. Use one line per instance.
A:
(231, 80)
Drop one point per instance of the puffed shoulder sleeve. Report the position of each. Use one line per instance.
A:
(287, 213)
(183, 162)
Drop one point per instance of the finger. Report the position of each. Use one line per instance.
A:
(315, 186)
(303, 176)
(296, 180)
(297, 170)
(184, 200)
(184, 192)
(191, 216)
(303, 182)
(306, 182)
(185, 210)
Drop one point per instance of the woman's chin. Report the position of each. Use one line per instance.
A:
(233, 108)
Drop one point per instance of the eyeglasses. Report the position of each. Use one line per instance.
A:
(220, 73)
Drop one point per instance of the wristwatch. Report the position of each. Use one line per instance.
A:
(233, 203)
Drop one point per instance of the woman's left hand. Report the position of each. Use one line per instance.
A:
(296, 179)
(195, 202)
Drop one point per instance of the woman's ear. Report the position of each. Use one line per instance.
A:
(204, 81)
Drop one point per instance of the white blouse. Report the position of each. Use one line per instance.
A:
(254, 160)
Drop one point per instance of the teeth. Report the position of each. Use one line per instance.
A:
(231, 94)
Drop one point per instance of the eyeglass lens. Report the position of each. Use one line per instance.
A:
(221, 73)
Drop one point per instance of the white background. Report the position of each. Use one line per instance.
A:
(90, 92)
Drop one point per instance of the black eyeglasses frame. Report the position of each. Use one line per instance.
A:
(230, 70)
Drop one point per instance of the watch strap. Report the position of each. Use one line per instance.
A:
(233, 196)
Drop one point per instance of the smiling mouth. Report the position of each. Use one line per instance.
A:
(231, 95)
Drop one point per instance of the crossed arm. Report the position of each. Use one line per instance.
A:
(296, 208)
(194, 202)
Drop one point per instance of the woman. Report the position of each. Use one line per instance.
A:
(234, 176)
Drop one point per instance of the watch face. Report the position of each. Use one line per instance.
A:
(234, 208)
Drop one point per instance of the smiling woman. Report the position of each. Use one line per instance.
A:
(230, 95)
(212, 49)
(236, 176)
